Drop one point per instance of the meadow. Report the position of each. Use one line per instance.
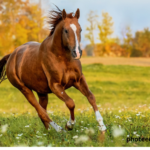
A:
(123, 97)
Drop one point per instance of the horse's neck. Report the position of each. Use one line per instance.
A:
(55, 43)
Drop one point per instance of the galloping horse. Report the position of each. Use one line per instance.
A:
(51, 67)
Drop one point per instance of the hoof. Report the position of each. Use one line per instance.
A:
(67, 128)
(63, 130)
(60, 130)
(103, 132)
(102, 136)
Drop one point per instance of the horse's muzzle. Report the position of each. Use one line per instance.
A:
(76, 53)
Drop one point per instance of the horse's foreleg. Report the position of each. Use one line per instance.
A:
(60, 93)
(43, 101)
(83, 88)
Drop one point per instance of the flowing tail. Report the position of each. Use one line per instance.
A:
(3, 62)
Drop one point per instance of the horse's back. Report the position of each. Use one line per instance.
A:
(24, 64)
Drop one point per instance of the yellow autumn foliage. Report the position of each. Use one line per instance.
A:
(20, 22)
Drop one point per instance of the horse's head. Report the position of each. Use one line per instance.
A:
(71, 33)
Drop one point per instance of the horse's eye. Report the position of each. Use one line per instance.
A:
(66, 31)
(81, 30)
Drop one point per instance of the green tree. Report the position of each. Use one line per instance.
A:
(141, 42)
(127, 40)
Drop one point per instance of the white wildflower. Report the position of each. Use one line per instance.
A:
(38, 136)
(75, 137)
(20, 134)
(27, 126)
(81, 139)
(40, 143)
(17, 137)
(127, 135)
(50, 112)
(4, 128)
(44, 134)
(137, 135)
(134, 132)
(49, 145)
(137, 114)
(117, 117)
(117, 131)
(90, 131)
(1, 135)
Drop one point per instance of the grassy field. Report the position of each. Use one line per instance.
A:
(123, 98)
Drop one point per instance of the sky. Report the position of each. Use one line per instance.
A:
(133, 13)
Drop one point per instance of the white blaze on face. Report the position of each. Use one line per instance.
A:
(74, 28)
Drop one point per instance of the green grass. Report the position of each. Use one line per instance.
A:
(122, 91)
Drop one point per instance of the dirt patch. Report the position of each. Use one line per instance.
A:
(116, 61)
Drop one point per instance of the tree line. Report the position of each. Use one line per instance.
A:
(137, 45)
(22, 21)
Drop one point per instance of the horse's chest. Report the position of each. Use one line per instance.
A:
(69, 77)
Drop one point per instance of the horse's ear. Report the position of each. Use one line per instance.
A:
(64, 15)
(77, 15)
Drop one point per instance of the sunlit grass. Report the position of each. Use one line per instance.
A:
(123, 98)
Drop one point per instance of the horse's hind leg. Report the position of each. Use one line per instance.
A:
(41, 111)
(32, 100)
(43, 101)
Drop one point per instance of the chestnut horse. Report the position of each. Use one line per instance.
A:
(51, 67)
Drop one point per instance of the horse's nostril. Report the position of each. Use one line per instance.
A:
(74, 53)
